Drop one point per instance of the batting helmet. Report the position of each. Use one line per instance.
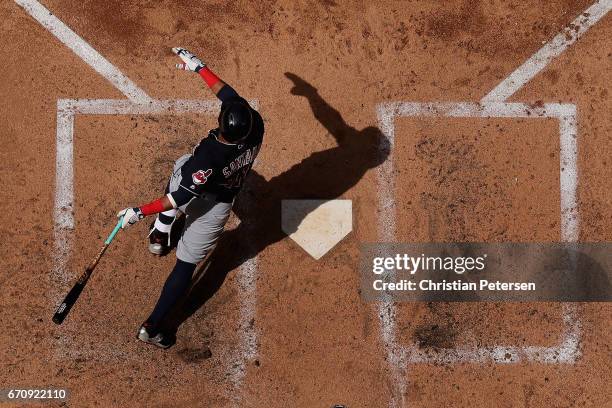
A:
(235, 119)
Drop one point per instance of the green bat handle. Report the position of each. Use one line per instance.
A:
(115, 231)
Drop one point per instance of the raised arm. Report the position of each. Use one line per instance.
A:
(193, 63)
(181, 196)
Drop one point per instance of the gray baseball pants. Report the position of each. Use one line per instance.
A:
(204, 222)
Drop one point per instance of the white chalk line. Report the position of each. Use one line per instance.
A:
(67, 109)
(570, 221)
(400, 356)
(386, 233)
(387, 111)
(125, 107)
(386, 178)
(247, 350)
(63, 211)
(566, 352)
(555, 47)
(83, 50)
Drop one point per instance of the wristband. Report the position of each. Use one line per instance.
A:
(209, 77)
(153, 207)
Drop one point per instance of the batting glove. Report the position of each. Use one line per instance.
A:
(130, 216)
(190, 61)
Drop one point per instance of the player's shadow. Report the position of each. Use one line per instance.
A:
(323, 175)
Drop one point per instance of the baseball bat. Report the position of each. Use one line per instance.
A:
(64, 308)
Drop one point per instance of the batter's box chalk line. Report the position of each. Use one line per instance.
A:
(67, 110)
(493, 105)
(138, 102)
(566, 116)
(400, 356)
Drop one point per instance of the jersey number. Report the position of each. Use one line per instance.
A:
(236, 179)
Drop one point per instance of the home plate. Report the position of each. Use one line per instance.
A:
(317, 225)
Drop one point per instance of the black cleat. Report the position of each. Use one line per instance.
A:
(160, 339)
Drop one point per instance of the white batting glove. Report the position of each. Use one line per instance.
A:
(190, 61)
(130, 216)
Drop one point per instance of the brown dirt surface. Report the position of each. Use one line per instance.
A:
(318, 342)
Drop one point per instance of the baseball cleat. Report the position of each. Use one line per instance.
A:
(160, 340)
(159, 242)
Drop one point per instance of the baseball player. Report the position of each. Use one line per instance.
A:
(203, 186)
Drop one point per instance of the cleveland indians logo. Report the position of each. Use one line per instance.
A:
(201, 176)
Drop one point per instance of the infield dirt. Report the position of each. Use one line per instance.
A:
(318, 343)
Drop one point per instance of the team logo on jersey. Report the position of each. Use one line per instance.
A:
(201, 176)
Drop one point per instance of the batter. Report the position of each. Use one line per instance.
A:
(203, 186)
